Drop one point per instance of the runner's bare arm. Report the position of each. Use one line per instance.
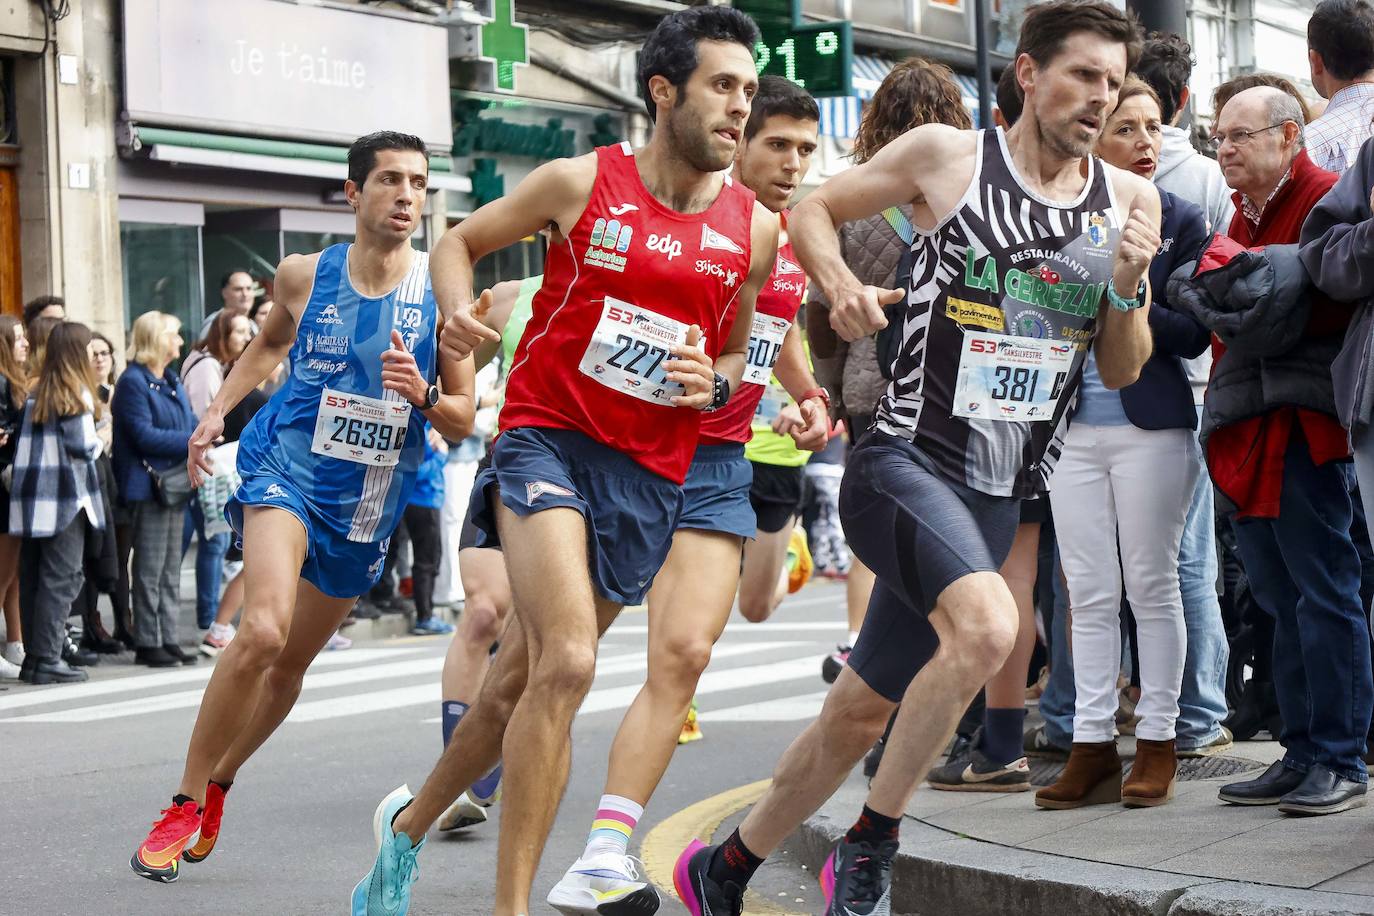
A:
(454, 413)
(503, 296)
(891, 178)
(763, 231)
(794, 371)
(1124, 341)
(555, 193)
(690, 366)
(294, 279)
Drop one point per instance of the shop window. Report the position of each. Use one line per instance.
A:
(162, 272)
(514, 262)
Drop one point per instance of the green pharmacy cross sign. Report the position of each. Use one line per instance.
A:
(815, 55)
(505, 43)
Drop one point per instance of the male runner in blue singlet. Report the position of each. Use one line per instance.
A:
(327, 468)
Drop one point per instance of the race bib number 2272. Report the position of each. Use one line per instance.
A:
(628, 349)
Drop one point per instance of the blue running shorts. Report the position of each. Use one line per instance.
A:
(631, 512)
(919, 533)
(338, 567)
(715, 495)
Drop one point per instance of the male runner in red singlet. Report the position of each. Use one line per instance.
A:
(694, 591)
(642, 321)
(1028, 249)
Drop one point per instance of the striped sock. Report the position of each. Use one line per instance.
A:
(616, 817)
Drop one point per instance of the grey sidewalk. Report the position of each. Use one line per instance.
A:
(982, 853)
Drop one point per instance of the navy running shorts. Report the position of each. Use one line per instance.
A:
(919, 533)
(715, 495)
(631, 512)
(468, 535)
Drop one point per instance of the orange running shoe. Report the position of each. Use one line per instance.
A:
(210, 817)
(156, 859)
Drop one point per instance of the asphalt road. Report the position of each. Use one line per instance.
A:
(84, 770)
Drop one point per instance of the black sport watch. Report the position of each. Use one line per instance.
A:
(431, 399)
(720, 394)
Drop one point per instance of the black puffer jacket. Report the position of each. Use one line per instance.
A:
(1258, 302)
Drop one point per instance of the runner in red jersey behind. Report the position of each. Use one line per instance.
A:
(692, 594)
(642, 322)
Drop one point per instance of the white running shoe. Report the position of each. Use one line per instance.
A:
(9, 671)
(14, 653)
(462, 813)
(337, 643)
(606, 883)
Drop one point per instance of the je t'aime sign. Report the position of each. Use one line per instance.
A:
(275, 68)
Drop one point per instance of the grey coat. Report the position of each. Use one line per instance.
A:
(872, 249)
(1337, 248)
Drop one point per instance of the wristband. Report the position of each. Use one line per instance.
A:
(817, 393)
(1126, 305)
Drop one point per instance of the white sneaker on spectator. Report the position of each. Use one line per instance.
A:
(9, 671)
(14, 653)
(232, 568)
(217, 640)
(338, 642)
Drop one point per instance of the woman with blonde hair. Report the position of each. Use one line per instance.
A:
(152, 423)
(14, 389)
(55, 497)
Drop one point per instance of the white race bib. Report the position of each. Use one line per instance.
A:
(1002, 377)
(765, 343)
(354, 427)
(628, 349)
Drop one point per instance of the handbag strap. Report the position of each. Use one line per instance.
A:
(900, 224)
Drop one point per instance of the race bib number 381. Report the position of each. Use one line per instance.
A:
(628, 349)
(1002, 377)
(352, 427)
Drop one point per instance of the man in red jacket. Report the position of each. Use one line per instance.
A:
(1286, 470)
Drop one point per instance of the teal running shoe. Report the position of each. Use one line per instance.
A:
(385, 891)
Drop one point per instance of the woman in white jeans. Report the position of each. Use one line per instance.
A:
(1120, 495)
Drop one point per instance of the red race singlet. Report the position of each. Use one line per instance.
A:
(618, 295)
(774, 312)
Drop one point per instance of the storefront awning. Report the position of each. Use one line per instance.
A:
(280, 157)
(840, 116)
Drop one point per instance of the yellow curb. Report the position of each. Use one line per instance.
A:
(670, 836)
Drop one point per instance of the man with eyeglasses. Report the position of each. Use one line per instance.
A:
(1278, 453)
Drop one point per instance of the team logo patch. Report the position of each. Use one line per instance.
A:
(665, 245)
(375, 569)
(329, 315)
(622, 209)
(609, 242)
(727, 277)
(1030, 323)
(787, 267)
(1097, 229)
(537, 488)
(978, 314)
(711, 239)
(275, 491)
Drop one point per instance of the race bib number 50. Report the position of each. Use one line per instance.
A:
(1002, 377)
(765, 343)
(628, 349)
(364, 430)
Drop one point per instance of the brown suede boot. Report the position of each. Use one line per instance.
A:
(1152, 777)
(1093, 777)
